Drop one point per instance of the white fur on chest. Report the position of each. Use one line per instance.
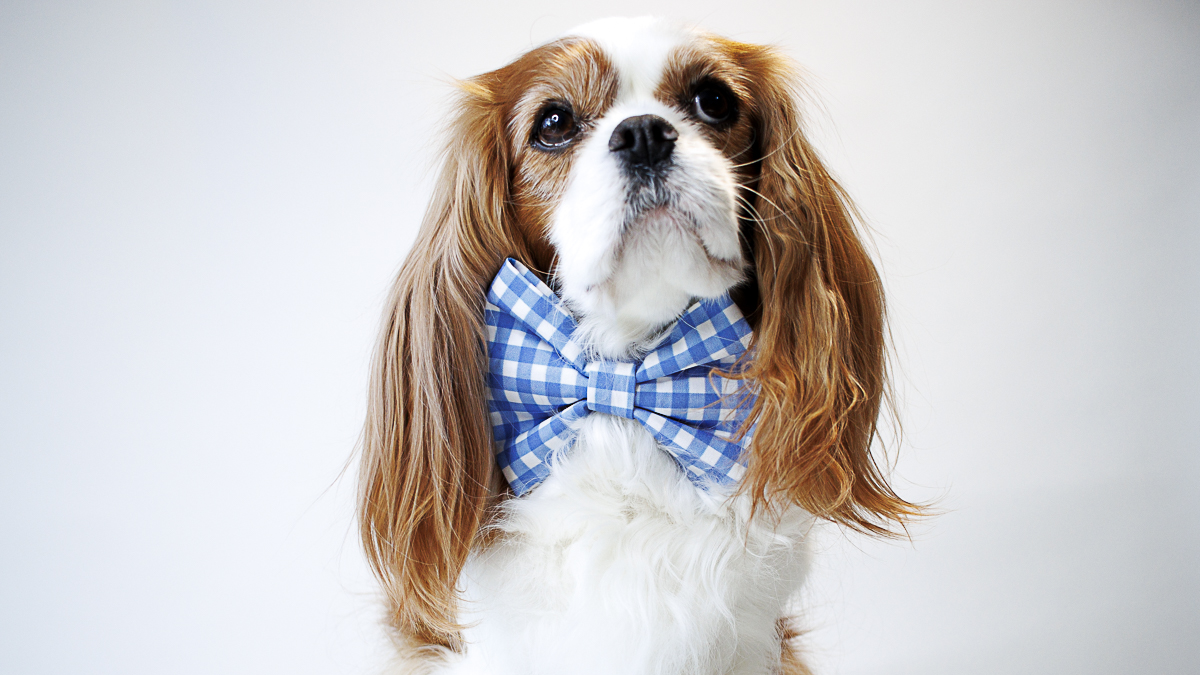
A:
(618, 564)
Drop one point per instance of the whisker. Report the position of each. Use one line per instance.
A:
(781, 146)
(749, 146)
(740, 152)
(525, 202)
(755, 212)
(768, 200)
(757, 217)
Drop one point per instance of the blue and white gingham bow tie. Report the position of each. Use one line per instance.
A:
(541, 386)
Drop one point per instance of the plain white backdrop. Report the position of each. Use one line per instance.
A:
(202, 204)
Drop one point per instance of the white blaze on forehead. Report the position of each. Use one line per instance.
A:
(623, 267)
(638, 49)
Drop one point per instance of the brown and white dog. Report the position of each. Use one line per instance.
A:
(635, 166)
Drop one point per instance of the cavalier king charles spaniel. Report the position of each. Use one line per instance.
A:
(631, 171)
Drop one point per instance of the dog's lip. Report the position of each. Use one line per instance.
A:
(687, 224)
(693, 228)
(735, 263)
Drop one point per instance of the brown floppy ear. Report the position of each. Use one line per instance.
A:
(820, 334)
(427, 468)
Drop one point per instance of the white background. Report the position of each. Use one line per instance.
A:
(202, 204)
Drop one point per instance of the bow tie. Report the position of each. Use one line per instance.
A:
(541, 385)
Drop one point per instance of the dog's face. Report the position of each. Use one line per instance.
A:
(633, 146)
(636, 167)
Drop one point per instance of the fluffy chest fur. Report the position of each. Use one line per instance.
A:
(618, 564)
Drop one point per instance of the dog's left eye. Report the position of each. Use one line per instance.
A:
(713, 104)
(555, 128)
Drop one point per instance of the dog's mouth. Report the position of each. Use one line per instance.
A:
(650, 191)
(672, 231)
(667, 220)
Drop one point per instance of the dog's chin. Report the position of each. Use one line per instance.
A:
(664, 261)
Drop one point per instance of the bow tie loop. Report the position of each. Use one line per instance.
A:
(541, 384)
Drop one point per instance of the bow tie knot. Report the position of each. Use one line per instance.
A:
(541, 385)
(611, 387)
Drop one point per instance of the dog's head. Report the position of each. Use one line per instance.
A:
(636, 166)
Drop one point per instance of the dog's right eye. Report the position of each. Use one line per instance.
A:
(555, 128)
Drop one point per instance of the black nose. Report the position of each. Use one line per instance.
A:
(645, 140)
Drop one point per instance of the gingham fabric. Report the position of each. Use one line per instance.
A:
(541, 384)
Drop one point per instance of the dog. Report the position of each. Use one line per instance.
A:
(625, 175)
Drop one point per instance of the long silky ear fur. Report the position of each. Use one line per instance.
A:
(820, 353)
(426, 476)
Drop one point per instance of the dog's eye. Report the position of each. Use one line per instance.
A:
(555, 128)
(713, 104)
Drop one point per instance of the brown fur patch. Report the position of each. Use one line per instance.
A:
(705, 60)
(579, 75)
(427, 473)
(816, 302)
(790, 661)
